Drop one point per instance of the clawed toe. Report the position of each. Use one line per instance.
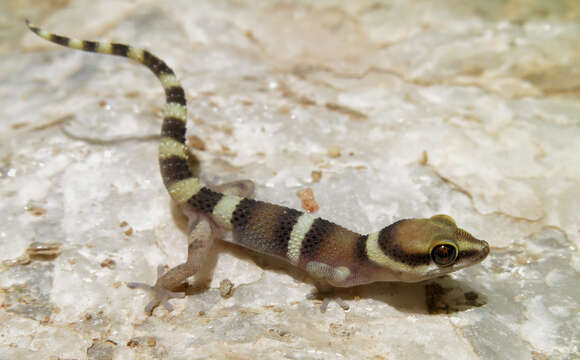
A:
(160, 294)
(326, 299)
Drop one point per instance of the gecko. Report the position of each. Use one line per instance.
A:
(409, 250)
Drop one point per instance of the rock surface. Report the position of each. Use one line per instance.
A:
(385, 110)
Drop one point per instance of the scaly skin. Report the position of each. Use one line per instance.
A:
(408, 250)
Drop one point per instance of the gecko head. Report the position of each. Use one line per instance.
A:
(420, 249)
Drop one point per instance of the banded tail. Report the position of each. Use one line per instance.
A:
(177, 164)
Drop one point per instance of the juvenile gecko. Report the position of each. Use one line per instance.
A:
(408, 250)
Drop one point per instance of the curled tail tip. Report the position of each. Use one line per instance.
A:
(29, 24)
(35, 29)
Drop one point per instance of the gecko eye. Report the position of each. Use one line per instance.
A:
(444, 254)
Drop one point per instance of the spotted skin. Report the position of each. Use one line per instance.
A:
(409, 250)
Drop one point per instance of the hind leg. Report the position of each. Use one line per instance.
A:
(199, 244)
(201, 235)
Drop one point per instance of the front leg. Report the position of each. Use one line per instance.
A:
(199, 244)
(324, 275)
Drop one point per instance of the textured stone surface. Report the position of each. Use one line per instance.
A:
(465, 108)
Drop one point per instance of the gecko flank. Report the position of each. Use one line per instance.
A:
(408, 250)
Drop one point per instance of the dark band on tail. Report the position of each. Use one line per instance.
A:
(174, 157)
(173, 128)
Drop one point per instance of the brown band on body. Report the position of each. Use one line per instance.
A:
(338, 246)
(241, 216)
(284, 225)
(261, 231)
(314, 238)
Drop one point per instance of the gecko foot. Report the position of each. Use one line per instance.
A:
(326, 299)
(161, 295)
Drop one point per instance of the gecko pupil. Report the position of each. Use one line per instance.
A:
(443, 254)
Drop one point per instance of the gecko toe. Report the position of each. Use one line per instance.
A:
(326, 299)
(342, 304)
(160, 294)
